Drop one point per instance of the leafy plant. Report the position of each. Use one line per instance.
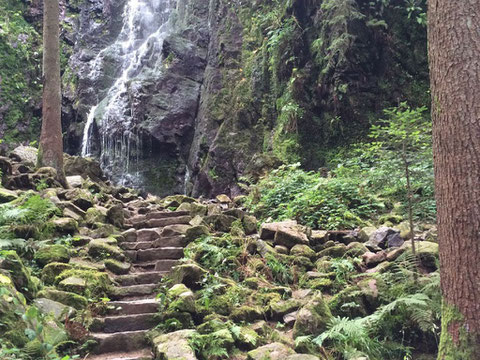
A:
(208, 346)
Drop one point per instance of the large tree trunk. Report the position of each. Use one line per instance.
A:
(454, 48)
(51, 141)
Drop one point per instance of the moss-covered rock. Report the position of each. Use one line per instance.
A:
(105, 248)
(117, 267)
(303, 250)
(277, 309)
(312, 318)
(52, 270)
(182, 299)
(52, 253)
(84, 282)
(19, 273)
(246, 313)
(64, 226)
(189, 274)
(67, 298)
(7, 195)
(195, 232)
(174, 346)
(273, 351)
(246, 338)
(336, 251)
(96, 214)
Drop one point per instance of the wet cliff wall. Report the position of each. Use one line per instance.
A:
(242, 86)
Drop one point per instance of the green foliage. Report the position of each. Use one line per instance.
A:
(30, 213)
(280, 270)
(379, 165)
(208, 346)
(20, 83)
(215, 253)
(330, 203)
(42, 338)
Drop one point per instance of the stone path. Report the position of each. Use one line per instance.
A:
(154, 243)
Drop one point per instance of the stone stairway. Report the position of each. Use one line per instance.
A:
(154, 242)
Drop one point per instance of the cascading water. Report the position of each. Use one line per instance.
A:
(145, 26)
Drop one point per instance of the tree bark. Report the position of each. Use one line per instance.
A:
(454, 49)
(51, 141)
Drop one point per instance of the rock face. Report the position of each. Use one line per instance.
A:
(202, 107)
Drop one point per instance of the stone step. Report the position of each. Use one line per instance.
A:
(140, 278)
(133, 307)
(120, 341)
(159, 254)
(156, 223)
(118, 293)
(143, 354)
(121, 323)
(160, 265)
(148, 234)
(165, 214)
(165, 265)
(173, 241)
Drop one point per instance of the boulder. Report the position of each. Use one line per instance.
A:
(105, 248)
(356, 249)
(5, 166)
(394, 240)
(268, 230)
(196, 232)
(52, 253)
(7, 196)
(220, 222)
(189, 274)
(117, 267)
(302, 357)
(249, 224)
(25, 154)
(427, 253)
(303, 250)
(19, 273)
(281, 249)
(96, 214)
(246, 313)
(371, 259)
(365, 233)
(64, 226)
(273, 351)
(319, 237)
(336, 251)
(86, 167)
(73, 284)
(59, 310)
(74, 300)
(116, 216)
(174, 346)
(312, 318)
(379, 237)
(223, 199)
(75, 181)
(264, 248)
(52, 270)
(290, 236)
(278, 309)
(182, 299)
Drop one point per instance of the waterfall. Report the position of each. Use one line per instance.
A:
(139, 43)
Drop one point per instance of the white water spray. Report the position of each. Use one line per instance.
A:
(145, 26)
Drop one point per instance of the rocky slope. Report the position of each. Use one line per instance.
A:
(238, 86)
(90, 265)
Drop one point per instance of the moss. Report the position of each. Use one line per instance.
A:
(89, 283)
(67, 298)
(19, 273)
(52, 270)
(52, 253)
(456, 342)
(103, 249)
(246, 314)
(117, 267)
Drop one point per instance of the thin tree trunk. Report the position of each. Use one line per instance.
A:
(454, 49)
(51, 141)
(410, 207)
